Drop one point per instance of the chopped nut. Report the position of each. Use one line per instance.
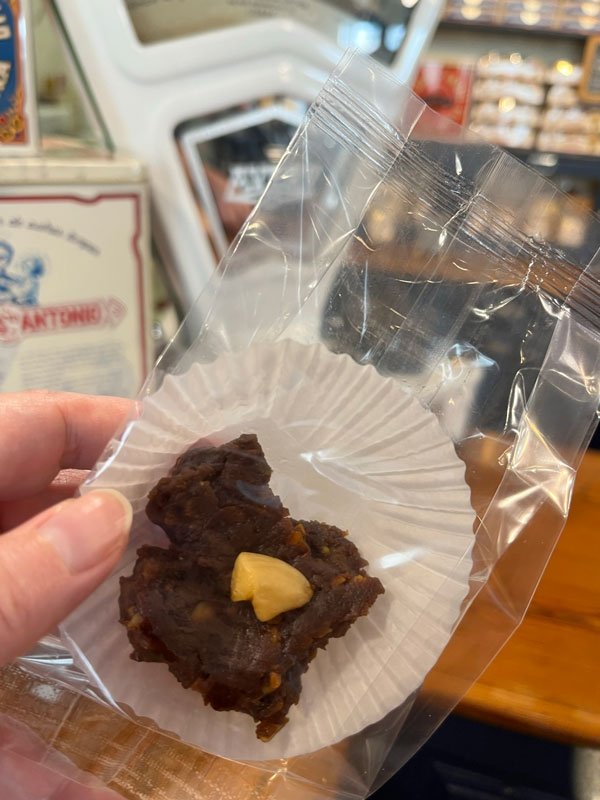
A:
(358, 579)
(266, 730)
(338, 580)
(134, 623)
(297, 535)
(202, 612)
(150, 570)
(273, 682)
(325, 550)
(275, 635)
(273, 586)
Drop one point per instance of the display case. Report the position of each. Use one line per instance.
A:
(175, 88)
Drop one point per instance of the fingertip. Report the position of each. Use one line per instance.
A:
(51, 563)
(120, 505)
(89, 530)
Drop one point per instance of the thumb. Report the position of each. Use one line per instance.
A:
(51, 563)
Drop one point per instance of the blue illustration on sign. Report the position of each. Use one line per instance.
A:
(8, 57)
(19, 280)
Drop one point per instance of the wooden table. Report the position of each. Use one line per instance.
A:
(546, 680)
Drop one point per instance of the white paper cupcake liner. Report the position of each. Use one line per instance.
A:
(347, 447)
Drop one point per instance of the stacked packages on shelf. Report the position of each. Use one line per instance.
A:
(508, 96)
(568, 126)
(523, 104)
(566, 16)
(519, 103)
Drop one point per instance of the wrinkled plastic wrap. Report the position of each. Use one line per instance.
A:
(30, 770)
(409, 322)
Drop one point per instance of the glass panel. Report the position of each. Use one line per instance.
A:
(230, 156)
(376, 27)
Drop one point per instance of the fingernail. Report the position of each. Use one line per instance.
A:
(87, 530)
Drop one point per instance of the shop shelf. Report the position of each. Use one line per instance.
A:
(491, 27)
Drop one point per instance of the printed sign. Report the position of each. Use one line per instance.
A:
(230, 157)
(73, 293)
(247, 182)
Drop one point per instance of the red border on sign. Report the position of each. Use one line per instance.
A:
(135, 244)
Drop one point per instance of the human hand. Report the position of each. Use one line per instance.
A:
(54, 550)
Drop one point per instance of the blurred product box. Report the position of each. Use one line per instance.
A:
(564, 73)
(446, 88)
(525, 104)
(18, 112)
(74, 275)
(505, 114)
(562, 97)
(521, 137)
(512, 67)
(531, 94)
(574, 120)
(576, 144)
(580, 24)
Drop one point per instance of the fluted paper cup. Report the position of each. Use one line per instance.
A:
(347, 447)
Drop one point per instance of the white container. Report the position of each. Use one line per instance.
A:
(146, 86)
(348, 447)
(74, 275)
(155, 21)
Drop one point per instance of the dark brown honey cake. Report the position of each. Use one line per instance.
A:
(178, 610)
(177, 605)
(220, 488)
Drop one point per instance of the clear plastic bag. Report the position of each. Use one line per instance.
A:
(408, 321)
(30, 770)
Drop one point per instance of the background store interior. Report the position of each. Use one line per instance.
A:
(511, 71)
